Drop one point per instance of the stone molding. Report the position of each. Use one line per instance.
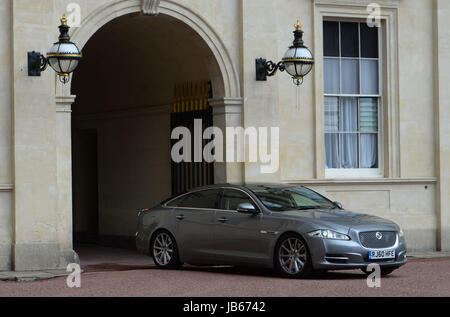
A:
(227, 105)
(6, 187)
(150, 7)
(360, 3)
(64, 103)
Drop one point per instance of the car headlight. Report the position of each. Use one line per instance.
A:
(329, 234)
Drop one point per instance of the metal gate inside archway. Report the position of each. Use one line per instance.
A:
(191, 104)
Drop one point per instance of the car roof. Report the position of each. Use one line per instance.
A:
(249, 185)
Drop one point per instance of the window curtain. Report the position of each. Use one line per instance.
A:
(368, 108)
(331, 150)
(369, 149)
(349, 123)
(331, 139)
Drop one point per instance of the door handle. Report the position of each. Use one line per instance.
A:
(223, 220)
(180, 217)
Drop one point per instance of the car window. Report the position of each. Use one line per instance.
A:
(176, 202)
(207, 199)
(232, 198)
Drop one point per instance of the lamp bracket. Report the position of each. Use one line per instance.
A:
(267, 68)
(37, 63)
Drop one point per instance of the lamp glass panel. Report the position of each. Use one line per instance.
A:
(290, 53)
(305, 69)
(55, 65)
(303, 52)
(68, 48)
(298, 69)
(55, 48)
(73, 65)
(65, 65)
(290, 68)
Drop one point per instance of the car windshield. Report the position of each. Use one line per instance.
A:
(288, 198)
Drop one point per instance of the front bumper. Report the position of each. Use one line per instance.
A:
(341, 255)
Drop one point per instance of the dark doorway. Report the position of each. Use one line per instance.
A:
(121, 120)
(85, 186)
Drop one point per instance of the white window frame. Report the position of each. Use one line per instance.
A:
(360, 172)
(390, 135)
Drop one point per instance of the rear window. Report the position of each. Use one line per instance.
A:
(175, 202)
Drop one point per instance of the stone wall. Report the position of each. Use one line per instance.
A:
(6, 175)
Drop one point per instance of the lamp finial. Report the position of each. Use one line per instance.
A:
(64, 19)
(298, 26)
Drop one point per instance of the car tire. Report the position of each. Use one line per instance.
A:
(292, 257)
(384, 271)
(164, 250)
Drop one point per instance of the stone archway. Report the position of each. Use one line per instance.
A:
(227, 87)
(227, 102)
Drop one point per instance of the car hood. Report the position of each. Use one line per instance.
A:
(336, 218)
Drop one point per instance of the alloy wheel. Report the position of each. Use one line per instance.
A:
(163, 249)
(292, 256)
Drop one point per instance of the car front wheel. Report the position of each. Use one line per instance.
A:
(165, 251)
(292, 258)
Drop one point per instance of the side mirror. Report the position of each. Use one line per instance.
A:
(338, 204)
(247, 208)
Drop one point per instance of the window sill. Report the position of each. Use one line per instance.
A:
(365, 181)
(357, 173)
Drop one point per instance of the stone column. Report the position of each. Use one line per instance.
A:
(442, 119)
(6, 175)
(36, 217)
(64, 177)
(227, 112)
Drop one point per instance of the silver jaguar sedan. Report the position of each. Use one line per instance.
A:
(291, 229)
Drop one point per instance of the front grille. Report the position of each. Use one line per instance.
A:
(369, 239)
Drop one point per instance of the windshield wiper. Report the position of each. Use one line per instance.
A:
(307, 207)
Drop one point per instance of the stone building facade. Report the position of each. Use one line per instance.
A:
(84, 156)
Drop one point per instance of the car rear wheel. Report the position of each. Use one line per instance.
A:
(292, 258)
(165, 251)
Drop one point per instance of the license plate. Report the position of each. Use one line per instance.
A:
(381, 254)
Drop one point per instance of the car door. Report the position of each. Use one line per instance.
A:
(237, 236)
(194, 219)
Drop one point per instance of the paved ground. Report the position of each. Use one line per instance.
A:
(115, 272)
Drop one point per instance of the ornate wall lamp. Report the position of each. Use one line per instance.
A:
(297, 62)
(63, 57)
